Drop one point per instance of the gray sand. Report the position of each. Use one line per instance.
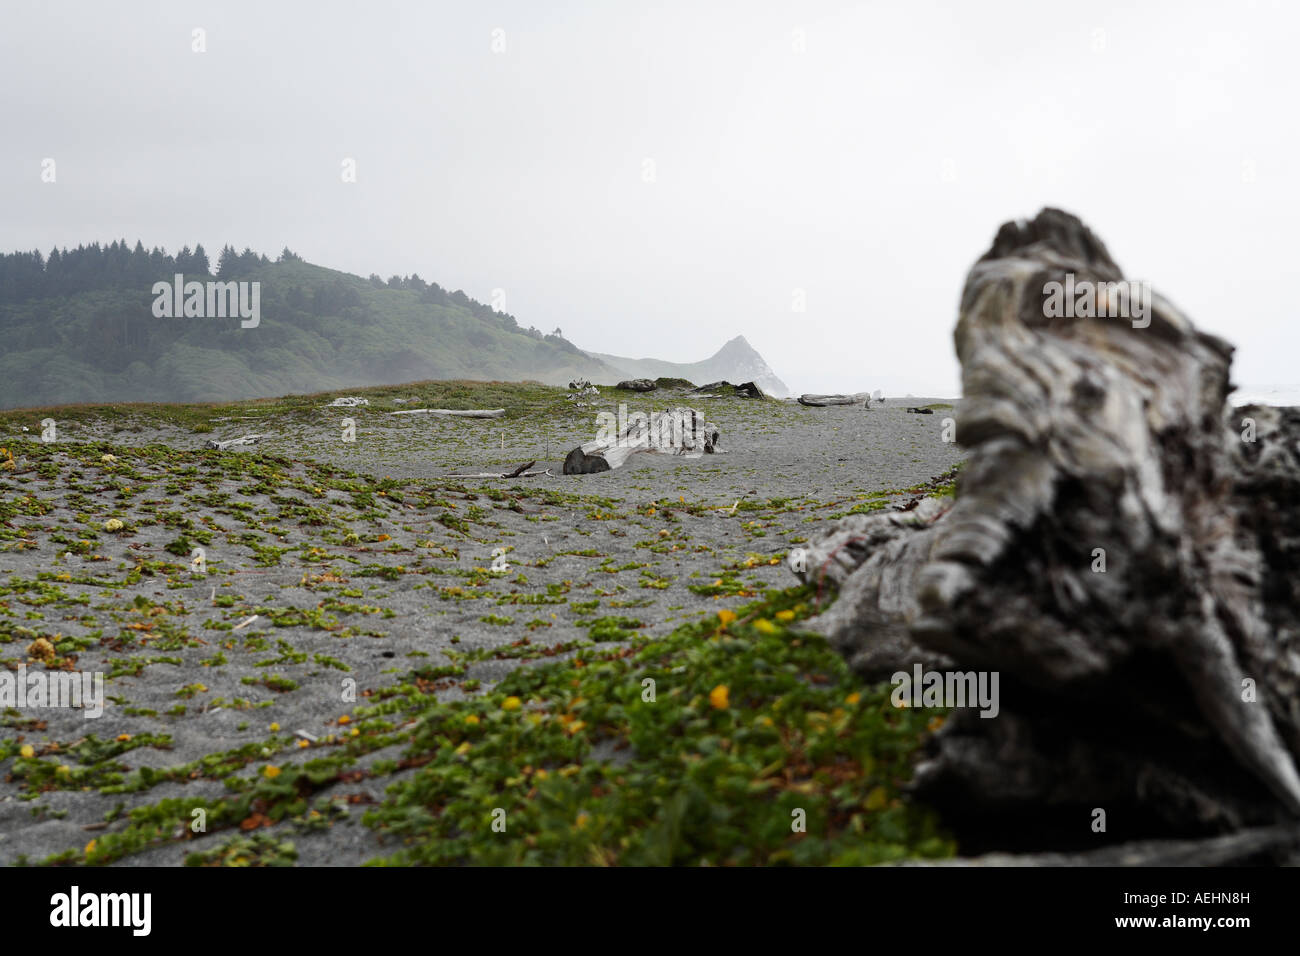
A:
(794, 467)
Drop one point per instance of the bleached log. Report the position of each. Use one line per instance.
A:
(233, 442)
(454, 412)
(820, 401)
(677, 431)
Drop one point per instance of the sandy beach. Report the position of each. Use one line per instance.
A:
(317, 581)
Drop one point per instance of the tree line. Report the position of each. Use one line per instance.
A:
(90, 268)
(65, 272)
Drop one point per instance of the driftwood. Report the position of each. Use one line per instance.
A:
(233, 442)
(1123, 548)
(820, 401)
(520, 472)
(454, 412)
(579, 390)
(677, 431)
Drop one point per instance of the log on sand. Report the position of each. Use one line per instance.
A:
(234, 442)
(821, 401)
(1123, 549)
(677, 431)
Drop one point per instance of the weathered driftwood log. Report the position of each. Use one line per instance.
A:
(454, 412)
(821, 401)
(677, 431)
(234, 442)
(1124, 549)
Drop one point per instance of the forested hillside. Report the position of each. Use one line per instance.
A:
(79, 326)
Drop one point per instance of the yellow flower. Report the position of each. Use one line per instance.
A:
(90, 847)
(718, 697)
(726, 616)
(576, 726)
(303, 744)
(108, 459)
(542, 773)
(274, 728)
(356, 731)
(766, 626)
(786, 615)
(27, 751)
(112, 524)
(345, 719)
(583, 817)
(123, 738)
(511, 703)
(853, 698)
(270, 772)
(462, 749)
(471, 719)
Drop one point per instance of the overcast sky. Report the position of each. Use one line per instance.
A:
(656, 178)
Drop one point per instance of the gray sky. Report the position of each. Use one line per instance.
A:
(862, 153)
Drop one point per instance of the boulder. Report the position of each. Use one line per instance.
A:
(726, 389)
(637, 385)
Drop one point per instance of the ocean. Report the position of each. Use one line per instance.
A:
(1266, 395)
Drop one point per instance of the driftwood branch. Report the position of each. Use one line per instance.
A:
(454, 412)
(520, 472)
(1123, 550)
(234, 442)
(821, 401)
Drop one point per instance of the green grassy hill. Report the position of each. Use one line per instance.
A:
(320, 329)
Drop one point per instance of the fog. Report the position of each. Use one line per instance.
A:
(815, 176)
